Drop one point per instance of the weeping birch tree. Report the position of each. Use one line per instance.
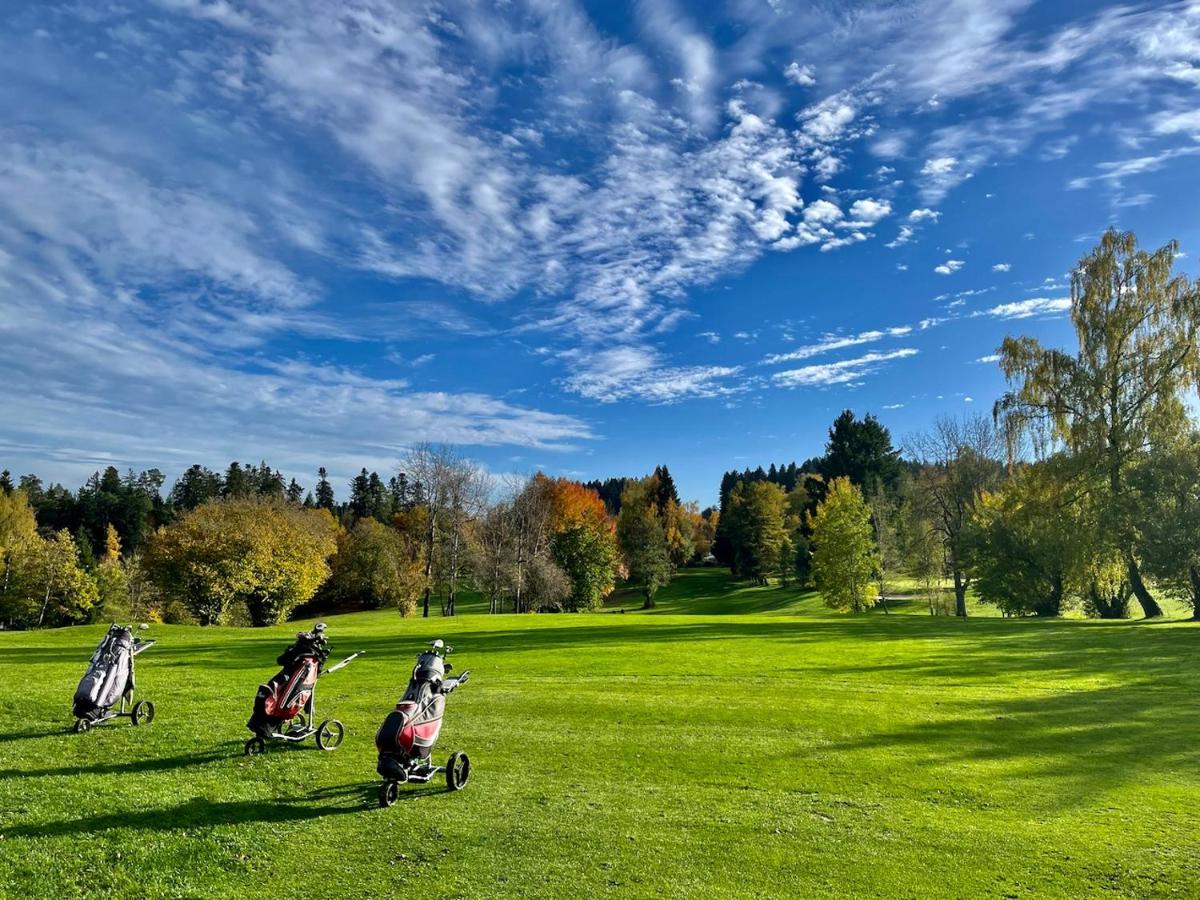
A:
(1108, 403)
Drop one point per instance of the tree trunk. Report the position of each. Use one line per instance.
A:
(1194, 572)
(960, 595)
(649, 594)
(1150, 608)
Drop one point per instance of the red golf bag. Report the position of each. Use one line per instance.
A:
(290, 692)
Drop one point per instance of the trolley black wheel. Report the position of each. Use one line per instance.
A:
(255, 746)
(143, 713)
(81, 725)
(389, 793)
(458, 770)
(330, 734)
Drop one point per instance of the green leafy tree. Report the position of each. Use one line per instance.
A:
(588, 557)
(195, 486)
(643, 542)
(45, 585)
(959, 462)
(861, 450)
(324, 496)
(1136, 323)
(1168, 481)
(758, 527)
(844, 559)
(268, 555)
(1027, 543)
(376, 566)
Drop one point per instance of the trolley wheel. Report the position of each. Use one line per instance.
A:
(330, 734)
(143, 713)
(389, 793)
(458, 770)
(81, 725)
(299, 723)
(255, 746)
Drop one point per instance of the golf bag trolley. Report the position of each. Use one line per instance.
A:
(285, 707)
(407, 736)
(109, 681)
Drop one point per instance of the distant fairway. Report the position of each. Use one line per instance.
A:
(776, 750)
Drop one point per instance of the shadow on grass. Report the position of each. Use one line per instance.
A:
(199, 812)
(1070, 746)
(226, 751)
(32, 736)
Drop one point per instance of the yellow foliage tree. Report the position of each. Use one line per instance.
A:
(272, 556)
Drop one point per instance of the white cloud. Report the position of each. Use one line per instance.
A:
(832, 342)
(949, 267)
(1002, 267)
(845, 371)
(870, 211)
(1117, 171)
(904, 236)
(990, 358)
(1036, 306)
(711, 336)
(822, 212)
(801, 76)
(1185, 122)
(636, 372)
(942, 165)
(893, 406)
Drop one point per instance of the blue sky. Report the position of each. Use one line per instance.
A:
(583, 237)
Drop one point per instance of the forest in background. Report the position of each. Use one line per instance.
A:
(1081, 491)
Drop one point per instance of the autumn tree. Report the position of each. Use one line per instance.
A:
(583, 543)
(44, 583)
(111, 583)
(271, 556)
(376, 567)
(844, 558)
(1123, 389)
(466, 491)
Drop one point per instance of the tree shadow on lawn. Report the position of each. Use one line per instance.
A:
(227, 751)
(971, 649)
(198, 812)
(32, 736)
(1071, 746)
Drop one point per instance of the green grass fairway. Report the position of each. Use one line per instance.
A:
(774, 750)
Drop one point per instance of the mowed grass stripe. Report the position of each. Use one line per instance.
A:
(769, 754)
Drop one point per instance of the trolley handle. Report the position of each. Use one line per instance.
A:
(345, 662)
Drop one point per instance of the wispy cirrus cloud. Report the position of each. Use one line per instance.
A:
(832, 342)
(844, 371)
(1036, 306)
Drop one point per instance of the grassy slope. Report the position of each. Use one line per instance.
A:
(666, 754)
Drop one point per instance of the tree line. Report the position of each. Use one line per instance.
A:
(247, 547)
(1082, 490)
